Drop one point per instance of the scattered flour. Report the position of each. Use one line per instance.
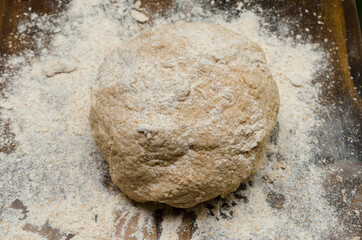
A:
(57, 172)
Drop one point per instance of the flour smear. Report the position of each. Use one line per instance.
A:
(54, 178)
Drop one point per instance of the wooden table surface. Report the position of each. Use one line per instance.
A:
(342, 98)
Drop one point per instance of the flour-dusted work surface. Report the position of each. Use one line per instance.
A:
(55, 184)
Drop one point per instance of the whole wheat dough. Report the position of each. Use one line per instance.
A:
(182, 113)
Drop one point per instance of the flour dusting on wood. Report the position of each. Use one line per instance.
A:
(55, 179)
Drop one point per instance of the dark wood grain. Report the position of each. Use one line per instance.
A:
(187, 227)
(340, 138)
(48, 232)
(354, 42)
(12, 13)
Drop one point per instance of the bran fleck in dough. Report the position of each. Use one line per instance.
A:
(182, 113)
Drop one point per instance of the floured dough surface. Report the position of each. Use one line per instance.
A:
(182, 113)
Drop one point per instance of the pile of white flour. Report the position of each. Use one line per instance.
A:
(57, 171)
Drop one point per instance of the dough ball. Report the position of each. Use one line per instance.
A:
(182, 113)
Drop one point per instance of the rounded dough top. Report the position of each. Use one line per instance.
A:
(182, 113)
